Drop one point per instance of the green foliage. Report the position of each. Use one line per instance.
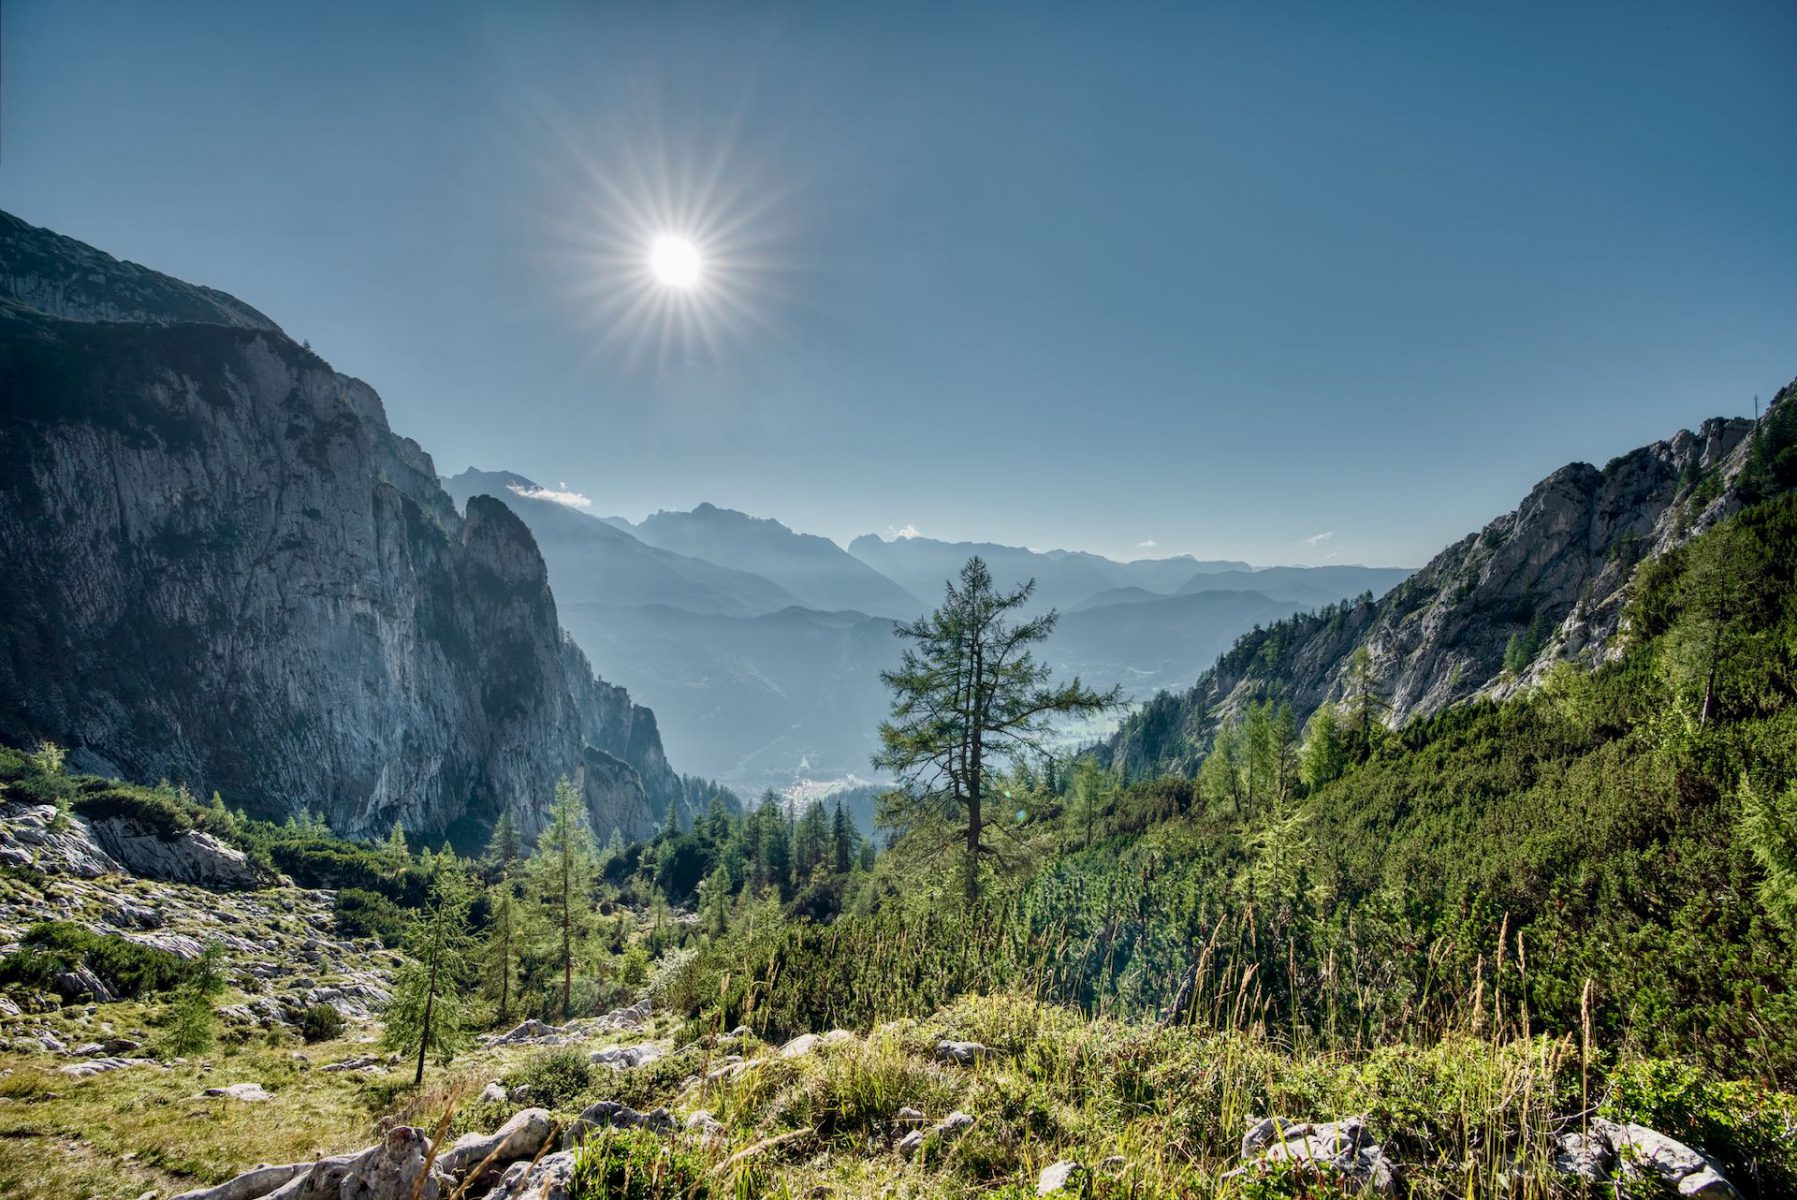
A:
(556, 1076)
(189, 1025)
(969, 695)
(425, 1016)
(1748, 1130)
(321, 1023)
(629, 1164)
(360, 913)
(1769, 826)
(128, 968)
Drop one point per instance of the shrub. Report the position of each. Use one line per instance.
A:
(629, 1164)
(555, 1077)
(361, 913)
(127, 968)
(321, 1023)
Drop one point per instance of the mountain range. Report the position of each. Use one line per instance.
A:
(760, 648)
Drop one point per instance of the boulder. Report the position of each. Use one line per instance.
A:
(1584, 1156)
(1642, 1150)
(1062, 1176)
(803, 1044)
(548, 1179)
(391, 1170)
(238, 1091)
(99, 1066)
(493, 1093)
(187, 857)
(963, 1053)
(254, 1183)
(520, 1137)
(1344, 1149)
(82, 984)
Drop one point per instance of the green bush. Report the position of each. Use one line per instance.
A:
(556, 1077)
(321, 1023)
(126, 967)
(361, 913)
(1745, 1128)
(629, 1164)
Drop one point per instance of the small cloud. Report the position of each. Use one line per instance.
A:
(1147, 545)
(571, 499)
(1317, 539)
(905, 534)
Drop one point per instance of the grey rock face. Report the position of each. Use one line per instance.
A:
(520, 1137)
(225, 569)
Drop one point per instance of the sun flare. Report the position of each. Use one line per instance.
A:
(676, 261)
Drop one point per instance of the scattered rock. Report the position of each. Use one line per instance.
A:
(531, 1030)
(620, 1058)
(943, 1132)
(618, 1116)
(493, 1093)
(239, 1091)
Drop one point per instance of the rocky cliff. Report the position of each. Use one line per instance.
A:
(1490, 614)
(223, 568)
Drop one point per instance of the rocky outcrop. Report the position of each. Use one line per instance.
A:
(187, 857)
(1544, 584)
(224, 569)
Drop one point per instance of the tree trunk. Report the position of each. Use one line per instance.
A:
(424, 1035)
(976, 732)
(505, 965)
(567, 948)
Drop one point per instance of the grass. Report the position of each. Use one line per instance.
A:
(1151, 1111)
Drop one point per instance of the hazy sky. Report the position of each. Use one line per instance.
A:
(1218, 278)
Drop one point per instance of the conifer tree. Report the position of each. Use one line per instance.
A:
(969, 692)
(425, 1014)
(561, 875)
(842, 841)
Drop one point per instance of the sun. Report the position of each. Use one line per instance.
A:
(675, 261)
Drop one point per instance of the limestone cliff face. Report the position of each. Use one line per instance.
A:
(223, 568)
(1550, 578)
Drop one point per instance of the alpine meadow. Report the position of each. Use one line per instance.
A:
(1041, 783)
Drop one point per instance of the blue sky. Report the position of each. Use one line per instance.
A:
(1217, 278)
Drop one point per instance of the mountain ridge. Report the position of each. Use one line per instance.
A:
(1546, 582)
(224, 568)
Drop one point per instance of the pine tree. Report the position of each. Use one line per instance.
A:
(1364, 704)
(425, 1014)
(395, 850)
(968, 692)
(561, 875)
(1324, 756)
(842, 841)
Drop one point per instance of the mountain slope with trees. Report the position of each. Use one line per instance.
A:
(1491, 614)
